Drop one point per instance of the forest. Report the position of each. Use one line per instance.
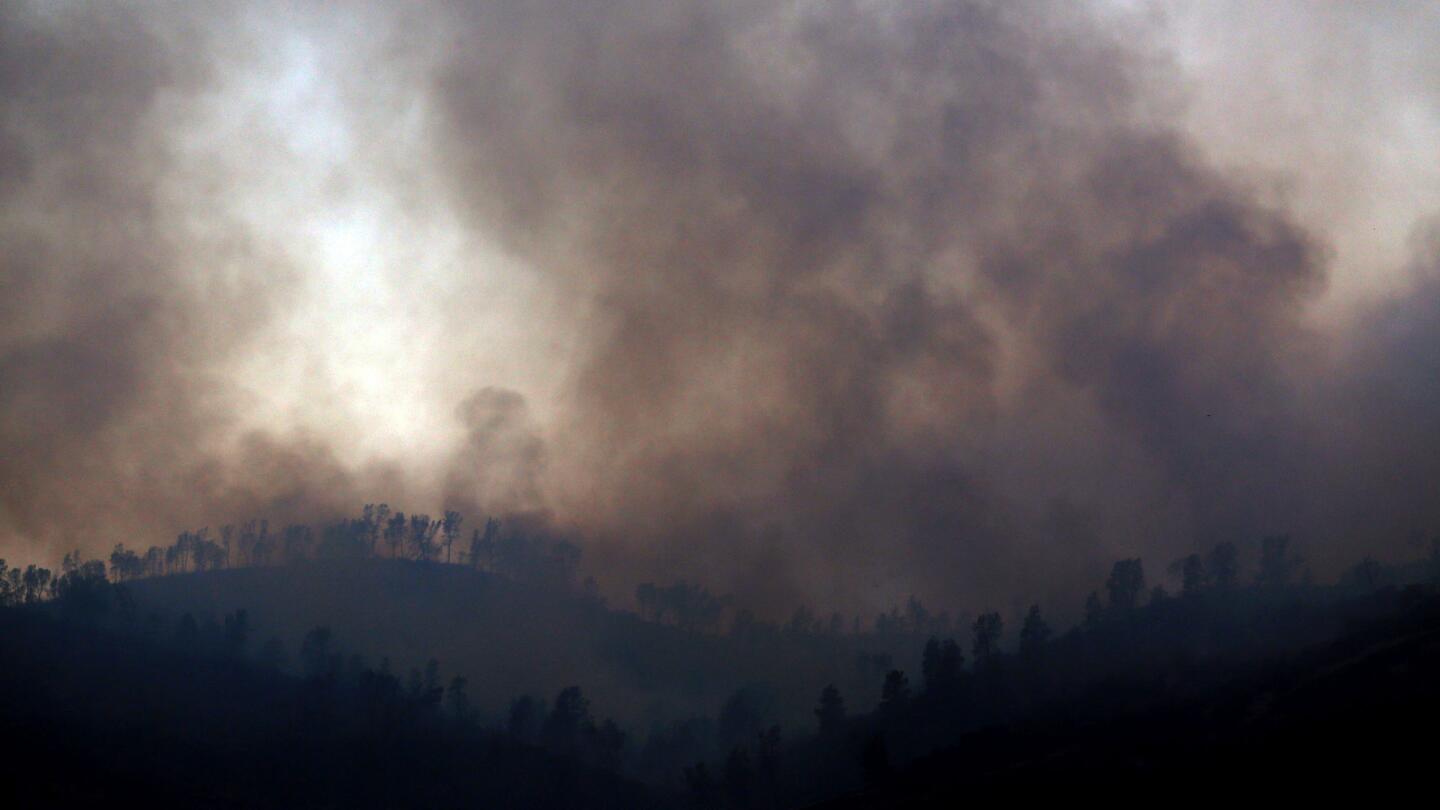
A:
(148, 671)
(729, 405)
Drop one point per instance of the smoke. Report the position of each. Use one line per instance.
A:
(120, 312)
(829, 302)
(862, 274)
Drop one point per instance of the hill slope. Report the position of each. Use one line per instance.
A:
(510, 639)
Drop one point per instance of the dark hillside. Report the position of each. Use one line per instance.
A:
(1351, 717)
(510, 638)
(91, 715)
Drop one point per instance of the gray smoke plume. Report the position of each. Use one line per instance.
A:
(828, 302)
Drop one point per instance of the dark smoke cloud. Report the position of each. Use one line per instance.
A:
(864, 299)
(866, 275)
(114, 326)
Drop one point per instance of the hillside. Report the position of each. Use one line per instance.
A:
(509, 639)
(93, 716)
(1354, 715)
(162, 687)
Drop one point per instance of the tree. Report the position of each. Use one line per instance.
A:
(1126, 583)
(34, 584)
(831, 711)
(458, 702)
(563, 561)
(125, 564)
(895, 694)
(930, 664)
(316, 660)
(237, 631)
(1094, 611)
(1191, 570)
(450, 529)
(604, 744)
(375, 521)
(738, 777)
(875, 759)
(1277, 565)
(525, 713)
(272, 655)
(422, 536)
(987, 629)
(482, 546)
(743, 714)
(647, 598)
(701, 785)
(1222, 566)
(187, 633)
(569, 715)
(395, 533)
(431, 692)
(767, 759)
(1034, 632)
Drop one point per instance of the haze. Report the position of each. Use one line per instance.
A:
(809, 302)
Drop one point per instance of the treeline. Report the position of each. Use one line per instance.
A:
(966, 675)
(519, 552)
(1137, 643)
(196, 713)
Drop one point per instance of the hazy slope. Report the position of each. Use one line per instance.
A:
(510, 639)
(1353, 714)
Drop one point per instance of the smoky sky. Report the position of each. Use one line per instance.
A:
(823, 302)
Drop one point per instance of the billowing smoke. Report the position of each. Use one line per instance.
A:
(125, 298)
(811, 301)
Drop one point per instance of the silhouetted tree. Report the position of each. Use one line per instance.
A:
(647, 598)
(895, 694)
(875, 759)
(395, 533)
(482, 546)
(941, 665)
(930, 663)
(271, 655)
(605, 745)
(831, 711)
(524, 719)
(739, 777)
(743, 714)
(701, 785)
(568, 717)
(1094, 611)
(1367, 575)
(1191, 570)
(376, 517)
(1277, 565)
(1034, 632)
(187, 633)
(458, 702)
(125, 564)
(450, 530)
(237, 631)
(802, 622)
(316, 659)
(987, 629)
(1222, 566)
(873, 666)
(422, 537)
(1126, 583)
(767, 760)
(562, 562)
